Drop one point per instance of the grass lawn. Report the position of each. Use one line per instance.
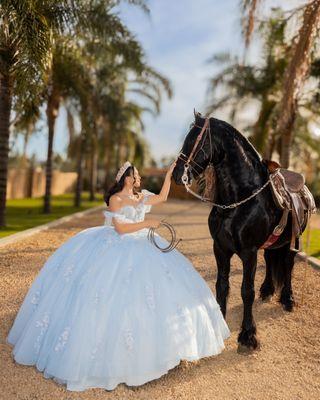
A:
(314, 249)
(27, 213)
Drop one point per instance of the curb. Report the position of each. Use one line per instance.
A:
(313, 261)
(29, 232)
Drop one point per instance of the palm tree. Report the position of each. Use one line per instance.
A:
(118, 122)
(244, 83)
(296, 71)
(295, 76)
(25, 41)
(99, 32)
(65, 72)
(125, 120)
(27, 113)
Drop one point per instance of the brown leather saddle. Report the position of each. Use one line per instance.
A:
(291, 195)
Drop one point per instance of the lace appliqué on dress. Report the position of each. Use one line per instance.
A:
(43, 325)
(130, 213)
(150, 296)
(68, 272)
(63, 338)
(109, 215)
(128, 339)
(35, 298)
(95, 352)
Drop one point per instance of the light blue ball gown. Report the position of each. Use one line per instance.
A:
(108, 308)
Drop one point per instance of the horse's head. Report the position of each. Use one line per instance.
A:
(196, 152)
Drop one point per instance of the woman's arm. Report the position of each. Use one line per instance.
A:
(163, 195)
(124, 227)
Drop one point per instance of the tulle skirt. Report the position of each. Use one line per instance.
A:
(108, 309)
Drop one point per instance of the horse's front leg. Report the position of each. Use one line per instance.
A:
(222, 285)
(247, 337)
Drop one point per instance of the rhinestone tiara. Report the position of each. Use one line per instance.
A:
(122, 170)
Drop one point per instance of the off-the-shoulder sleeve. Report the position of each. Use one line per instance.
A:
(109, 215)
(146, 194)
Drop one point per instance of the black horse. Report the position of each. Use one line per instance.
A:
(240, 172)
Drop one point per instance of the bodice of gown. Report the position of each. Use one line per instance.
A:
(130, 213)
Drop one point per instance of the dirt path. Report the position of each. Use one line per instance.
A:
(286, 367)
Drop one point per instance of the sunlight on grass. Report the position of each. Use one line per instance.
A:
(27, 213)
(314, 248)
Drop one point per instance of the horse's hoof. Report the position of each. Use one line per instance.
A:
(288, 306)
(287, 303)
(266, 298)
(243, 349)
(266, 292)
(248, 341)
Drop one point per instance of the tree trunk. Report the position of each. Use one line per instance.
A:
(79, 184)
(269, 149)
(295, 76)
(261, 128)
(30, 178)
(71, 131)
(52, 113)
(249, 23)
(93, 168)
(107, 154)
(286, 138)
(5, 112)
(27, 136)
(117, 154)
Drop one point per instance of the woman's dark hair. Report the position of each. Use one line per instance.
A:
(118, 186)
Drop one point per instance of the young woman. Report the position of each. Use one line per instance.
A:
(108, 307)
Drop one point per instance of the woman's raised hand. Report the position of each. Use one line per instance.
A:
(171, 168)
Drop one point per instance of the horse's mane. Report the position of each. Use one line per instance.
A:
(207, 183)
(248, 147)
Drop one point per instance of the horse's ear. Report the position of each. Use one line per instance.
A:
(198, 117)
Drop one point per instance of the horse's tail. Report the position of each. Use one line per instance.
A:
(281, 261)
(278, 267)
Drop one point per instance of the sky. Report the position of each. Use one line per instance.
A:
(178, 37)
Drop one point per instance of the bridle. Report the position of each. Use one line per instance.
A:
(190, 164)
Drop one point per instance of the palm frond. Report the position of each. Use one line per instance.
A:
(249, 11)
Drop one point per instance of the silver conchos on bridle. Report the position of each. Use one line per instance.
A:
(190, 164)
